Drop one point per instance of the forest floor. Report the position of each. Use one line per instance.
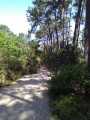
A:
(27, 98)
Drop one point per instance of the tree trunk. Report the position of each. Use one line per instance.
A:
(76, 31)
(56, 28)
(62, 24)
(87, 36)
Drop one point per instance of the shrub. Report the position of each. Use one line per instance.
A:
(33, 64)
(71, 108)
(15, 65)
(69, 90)
(62, 56)
(69, 80)
(13, 75)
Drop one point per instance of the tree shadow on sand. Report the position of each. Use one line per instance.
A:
(26, 100)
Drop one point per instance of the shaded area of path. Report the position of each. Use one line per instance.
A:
(26, 99)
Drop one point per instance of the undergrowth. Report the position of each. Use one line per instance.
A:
(69, 92)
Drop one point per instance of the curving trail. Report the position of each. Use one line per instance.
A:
(26, 99)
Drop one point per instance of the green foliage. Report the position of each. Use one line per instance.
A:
(69, 80)
(62, 56)
(12, 75)
(17, 55)
(71, 108)
(33, 65)
(69, 90)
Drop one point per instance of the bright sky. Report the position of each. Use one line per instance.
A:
(13, 14)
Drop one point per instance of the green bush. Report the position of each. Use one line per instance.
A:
(17, 54)
(71, 108)
(15, 65)
(33, 64)
(13, 75)
(62, 56)
(69, 90)
(69, 80)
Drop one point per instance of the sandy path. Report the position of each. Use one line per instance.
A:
(26, 99)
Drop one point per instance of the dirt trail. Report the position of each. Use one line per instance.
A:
(26, 99)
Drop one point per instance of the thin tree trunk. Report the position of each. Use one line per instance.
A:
(87, 36)
(62, 24)
(56, 27)
(76, 31)
(51, 41)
